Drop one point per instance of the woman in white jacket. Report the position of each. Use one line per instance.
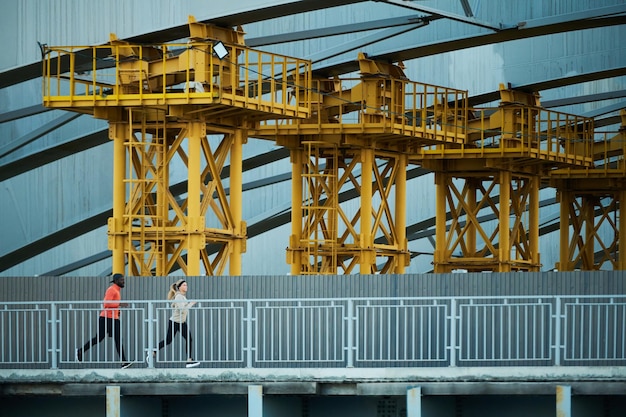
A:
(178, 321)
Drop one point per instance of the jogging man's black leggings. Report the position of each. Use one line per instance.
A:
(108, 327)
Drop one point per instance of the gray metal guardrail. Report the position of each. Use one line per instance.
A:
(326, 332)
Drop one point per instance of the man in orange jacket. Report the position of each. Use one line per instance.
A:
(109, 321)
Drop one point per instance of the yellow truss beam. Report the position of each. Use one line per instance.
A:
(329, 238)
(465, 242)
(591, 227)
(153, 231)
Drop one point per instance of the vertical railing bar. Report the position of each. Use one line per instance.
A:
(363, 338)
(589, 312)
(485, 309)
(471, 316)
(380, 332)
(350, 337)
(303, 345)
(19, 338)
(210, 323)
(2, 329)
(249, 342)
(284, 325)
(216, 317)
(53, 337)
(500, 313)
(557, 331)
(514, 318)
(524, 335)
(10, 332)
(623, 347)
(35, 318)
(397, 350)
(453, 303)
(319, 339)
(477, 312)
(414, 335)
(151, 336)
(390, 311)
(339, 348)
(331, 339)
(434, 353)
(403, 355)
(606, 330)
(311, 332)
(422, 332)
(271, 334)
(429, 337)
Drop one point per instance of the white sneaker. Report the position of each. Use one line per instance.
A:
(192, 364)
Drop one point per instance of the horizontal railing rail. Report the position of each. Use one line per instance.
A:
(325, 332)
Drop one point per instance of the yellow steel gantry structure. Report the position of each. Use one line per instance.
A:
(590, 200)
(180, 103)
(497, 171)
(358, 139)
(177, 102)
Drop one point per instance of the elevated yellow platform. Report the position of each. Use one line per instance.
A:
(520, 133)
(382, 109)
(99, 80)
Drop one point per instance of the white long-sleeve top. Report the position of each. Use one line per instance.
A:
(180, 307)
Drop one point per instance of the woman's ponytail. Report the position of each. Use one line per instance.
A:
(174, 289)
(172, 292)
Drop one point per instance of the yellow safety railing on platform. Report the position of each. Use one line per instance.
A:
(82, 78)
(524, 131)
(608, 150)
(379, 105)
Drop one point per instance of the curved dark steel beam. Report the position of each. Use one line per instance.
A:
(253, 14)
(419, 51)
(552, 83)
(51, 154)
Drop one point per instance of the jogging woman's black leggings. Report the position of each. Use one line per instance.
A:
(172, 329)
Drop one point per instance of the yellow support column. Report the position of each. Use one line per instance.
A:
(533, 223)
(589, 218)
(441, 246)
(236, 200)
(473, 184)
(504, 249)
(117, 240)
(564, 197)
(400, 216)
(294, 252)
(366, 243)
(195, 222)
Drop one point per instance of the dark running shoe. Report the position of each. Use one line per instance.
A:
(126, 365)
